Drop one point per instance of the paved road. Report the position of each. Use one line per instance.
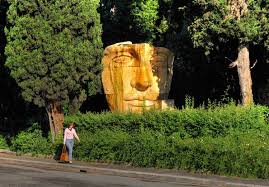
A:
(27, 176)
(21, 172)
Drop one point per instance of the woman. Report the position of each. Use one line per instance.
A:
(69, 134)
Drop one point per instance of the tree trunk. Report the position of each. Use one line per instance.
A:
(56, 119)
(238, 9)
(244, 75)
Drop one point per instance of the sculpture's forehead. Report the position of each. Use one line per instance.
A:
(133, 49)
(137, 51)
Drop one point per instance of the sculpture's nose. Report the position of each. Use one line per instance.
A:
(142, 81)
(143, 76)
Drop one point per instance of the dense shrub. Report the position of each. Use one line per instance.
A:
(241, 154)
(3, 143)
(32, 141)
(189, 122)
(220, 139)
(230, 140)
(102, 145)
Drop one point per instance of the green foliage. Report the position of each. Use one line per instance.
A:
(145, 15)
(264, 21)
(227, 140)
(3, 143)
(32, 141)
(54, 49)
(101, 145)
(214, 25)
(135, 20)
(189, 122)
(241, 154)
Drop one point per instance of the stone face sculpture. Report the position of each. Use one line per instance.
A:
(137, 77)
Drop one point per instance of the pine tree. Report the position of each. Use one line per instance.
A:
(53, 52)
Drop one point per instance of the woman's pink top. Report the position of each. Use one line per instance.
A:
(69, 134)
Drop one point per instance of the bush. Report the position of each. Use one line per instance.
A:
(189, 122)
(230, 140)
(3, 143)
(103, 145)
(241, 154)
(32, 141)
(226, 139)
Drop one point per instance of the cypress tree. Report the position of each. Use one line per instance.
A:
(53, 52)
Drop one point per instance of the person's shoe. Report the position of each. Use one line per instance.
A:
(70, 162)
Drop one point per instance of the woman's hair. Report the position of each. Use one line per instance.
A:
(72, 124)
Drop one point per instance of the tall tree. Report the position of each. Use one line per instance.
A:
(224, 23)
(53, 52)
(144, 14)
(134, 20)
(238, 9)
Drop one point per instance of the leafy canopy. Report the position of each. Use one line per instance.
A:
(54, 49)
(213, 24)
(134, 20)
(145, 15)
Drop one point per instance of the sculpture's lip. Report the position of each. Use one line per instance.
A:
(140, 98)
(139, 103)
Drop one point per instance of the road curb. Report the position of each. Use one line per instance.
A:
(7, 151)
(138, 173)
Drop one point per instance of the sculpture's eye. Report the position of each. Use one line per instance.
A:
(154, 68)
(123, 59)
(155, 65)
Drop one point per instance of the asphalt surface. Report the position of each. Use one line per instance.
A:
(27, 176)
(23, 172)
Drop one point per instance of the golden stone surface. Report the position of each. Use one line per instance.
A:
(137, 77)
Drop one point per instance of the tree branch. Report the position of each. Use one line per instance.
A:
(233, 64)
(228, 59)
(254, 64)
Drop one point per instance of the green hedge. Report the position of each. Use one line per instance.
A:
(239, 154)
(32, 141)
(230, 140)
(217, 121)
